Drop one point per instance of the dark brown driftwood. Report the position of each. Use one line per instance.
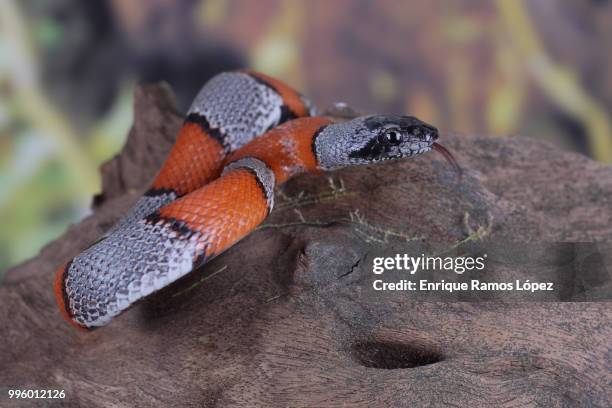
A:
(284, 319)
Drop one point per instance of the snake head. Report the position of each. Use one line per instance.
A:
(371, 139)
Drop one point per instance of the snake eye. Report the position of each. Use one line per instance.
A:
(392, 136)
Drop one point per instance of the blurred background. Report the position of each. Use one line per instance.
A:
(68, 69)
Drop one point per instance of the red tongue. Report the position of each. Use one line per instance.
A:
(449, 157)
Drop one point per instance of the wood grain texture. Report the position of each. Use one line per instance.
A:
(282, 319)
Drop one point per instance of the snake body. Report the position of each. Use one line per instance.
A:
(217, 185)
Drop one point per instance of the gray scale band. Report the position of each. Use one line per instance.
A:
(264, 174)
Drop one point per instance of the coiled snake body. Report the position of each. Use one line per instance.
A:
(217, 185)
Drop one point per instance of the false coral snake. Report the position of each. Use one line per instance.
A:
(217, 185)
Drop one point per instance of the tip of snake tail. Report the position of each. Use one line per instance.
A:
(449, 158)
(60, 296)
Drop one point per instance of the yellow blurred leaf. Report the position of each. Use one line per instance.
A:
(503, 109)
(383, 86)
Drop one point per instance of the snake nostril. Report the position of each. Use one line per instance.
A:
(394, 355)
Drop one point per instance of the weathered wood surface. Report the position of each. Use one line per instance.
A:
(284, 319)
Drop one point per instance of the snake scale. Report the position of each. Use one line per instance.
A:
(244, 134)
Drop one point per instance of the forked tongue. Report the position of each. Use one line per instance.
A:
(449, 157)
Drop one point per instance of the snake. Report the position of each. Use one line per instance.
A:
(245, 134)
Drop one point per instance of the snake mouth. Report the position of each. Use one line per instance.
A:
(403, 155)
